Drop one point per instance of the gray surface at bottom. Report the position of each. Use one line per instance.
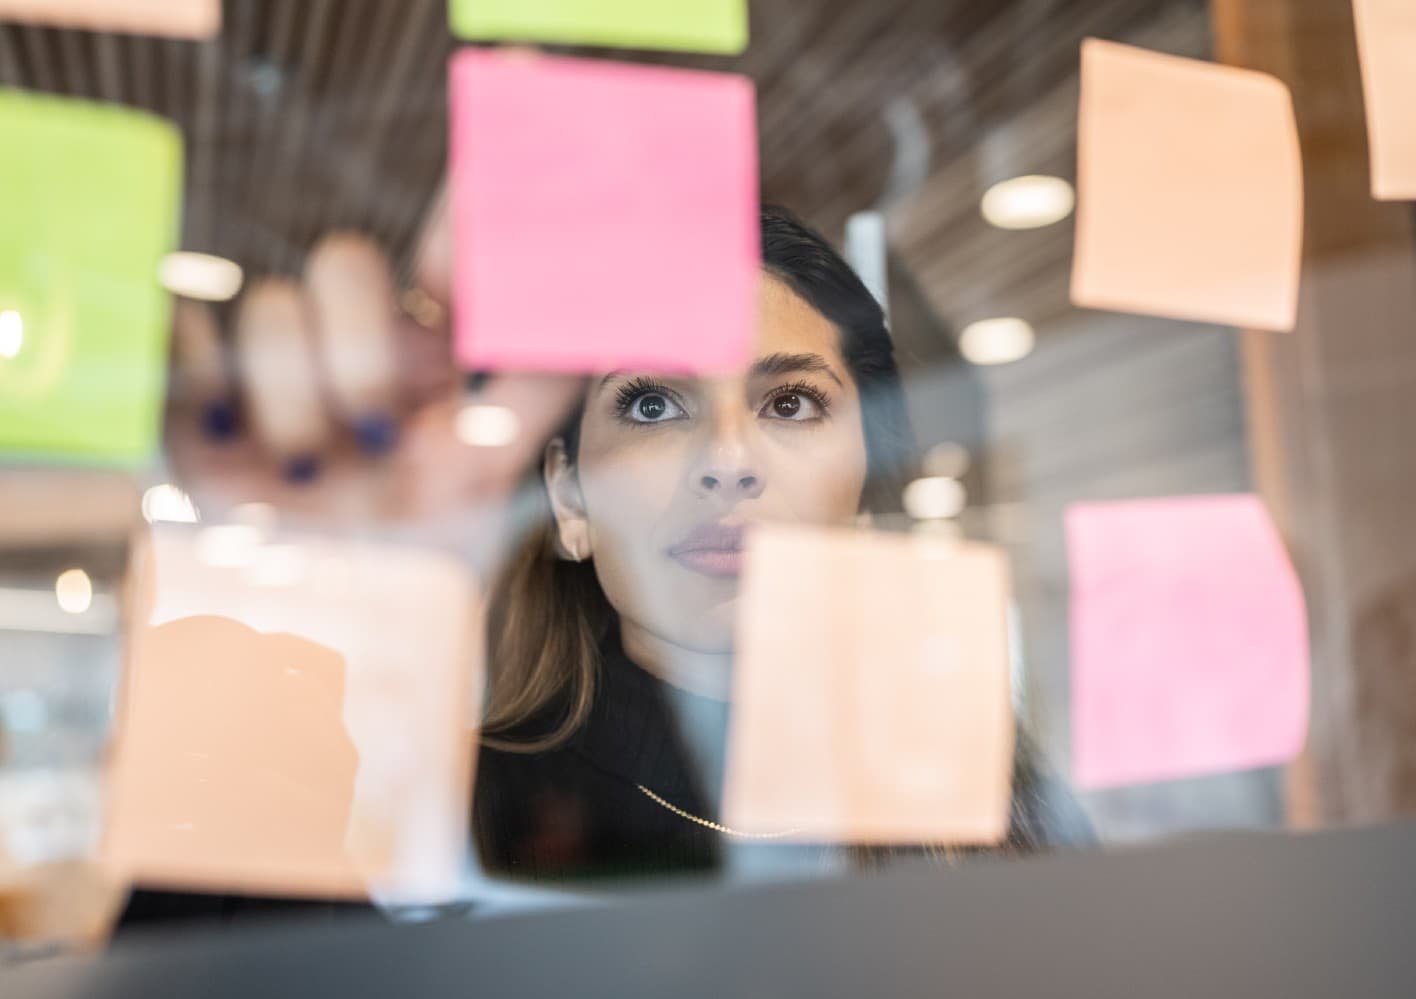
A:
(1316, 915)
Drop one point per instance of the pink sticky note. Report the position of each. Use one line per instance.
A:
(176, 18)
(1386, 40)
(294, 718)
(1189, 640)
(871, 690)
(605, 216)
(1190, 200)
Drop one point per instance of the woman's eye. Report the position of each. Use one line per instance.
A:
(653, 407)
(792, 406)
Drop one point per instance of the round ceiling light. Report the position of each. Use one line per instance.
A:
(1028, 202)
(996, 341)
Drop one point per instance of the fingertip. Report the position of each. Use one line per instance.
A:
(219, 421)
(377, 434)
(302, 469)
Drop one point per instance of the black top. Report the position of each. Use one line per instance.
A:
(577, 810)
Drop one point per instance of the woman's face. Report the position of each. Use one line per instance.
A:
(671, 471)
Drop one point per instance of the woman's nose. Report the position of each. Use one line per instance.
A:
(727, 469)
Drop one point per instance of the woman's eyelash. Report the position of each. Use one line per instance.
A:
(636, 388)
(813, 393)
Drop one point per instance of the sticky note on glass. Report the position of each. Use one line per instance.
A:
(1189, 640)
(871, 690)
(293, 718)
(716, 26)
(174, 18)
(1190, 200)
(90, 201)
(605, 216)
(1386, 41)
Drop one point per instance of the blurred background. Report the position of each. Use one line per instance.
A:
(305, 116)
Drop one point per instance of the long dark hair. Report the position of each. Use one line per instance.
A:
(548, 616)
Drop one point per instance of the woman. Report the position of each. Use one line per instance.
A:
(611, 632)
(610, 638)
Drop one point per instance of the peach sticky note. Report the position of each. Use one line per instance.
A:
(1189, 640)
(871, 693)
(174, 18)
(1386, 41)
(1190, 200)
(718, 26)
(294, 718)
(605, 216)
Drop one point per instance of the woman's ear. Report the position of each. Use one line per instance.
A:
(567, 503)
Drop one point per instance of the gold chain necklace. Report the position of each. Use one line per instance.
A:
(712, 825)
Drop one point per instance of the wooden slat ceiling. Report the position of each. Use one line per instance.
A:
(307, 115)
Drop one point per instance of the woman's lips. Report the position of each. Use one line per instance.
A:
(711, 550)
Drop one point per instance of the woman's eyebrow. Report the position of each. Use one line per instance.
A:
(785, 364)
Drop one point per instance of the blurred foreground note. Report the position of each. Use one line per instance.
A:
(1189, 640)
(612, 222)
(294, 719)
(871, 695)
(89, 197)
(175, 18)
(715, 26)
(1386, 40)
(1190, 201)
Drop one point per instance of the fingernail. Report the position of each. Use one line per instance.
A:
(219, 421)
(476, 381)
(376, 434)
(302, 469)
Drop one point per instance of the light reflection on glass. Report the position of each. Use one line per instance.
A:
(12, 334)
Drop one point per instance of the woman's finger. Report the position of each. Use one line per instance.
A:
(351, 297)
(201, 382)
(275, 355)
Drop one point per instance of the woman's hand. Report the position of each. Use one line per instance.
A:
(341, 410)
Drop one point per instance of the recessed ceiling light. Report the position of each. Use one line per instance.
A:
(996, 341)
(1028, 202)
(201, 276)
(74, 591)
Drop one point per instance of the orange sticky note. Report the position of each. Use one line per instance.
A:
(175, 18)
(1386, 41)
(1190, 200)
(1189, 640)
(294, 718)
(871, 692)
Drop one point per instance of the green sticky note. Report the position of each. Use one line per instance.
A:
(716, 26)
(89, 205)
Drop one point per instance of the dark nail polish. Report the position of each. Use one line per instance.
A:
(219, 421)
(376, 434)
(303, 469)
(476, 381)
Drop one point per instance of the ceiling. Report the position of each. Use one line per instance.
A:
(307, 115)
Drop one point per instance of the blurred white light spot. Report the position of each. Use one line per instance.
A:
(935, 498)
(25, 711)
(487, 426)
(229, 546)
(1028, 202)
(168, 504)
(201, 276)
(278, 566)
(258, 515)
(12, 333)
(996, 341)
(949, 460)
(74, 591)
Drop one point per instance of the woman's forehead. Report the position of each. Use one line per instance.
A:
(788, 324)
